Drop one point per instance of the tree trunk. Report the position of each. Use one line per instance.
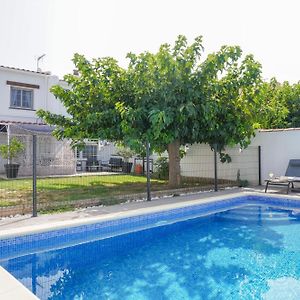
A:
(174, 164)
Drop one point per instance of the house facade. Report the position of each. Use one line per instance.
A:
(22, 93)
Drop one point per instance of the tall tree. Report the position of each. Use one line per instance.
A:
(273, 110)
(176, 99)
(280, 105)
(293, 106)
(168, 98)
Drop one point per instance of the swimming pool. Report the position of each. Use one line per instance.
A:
(231, 249)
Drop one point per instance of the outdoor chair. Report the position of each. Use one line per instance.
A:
(114, 164)
(92, 165)
(292, 175)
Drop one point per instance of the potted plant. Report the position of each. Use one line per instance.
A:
(126, 153)
(9, 152)
(138, 169)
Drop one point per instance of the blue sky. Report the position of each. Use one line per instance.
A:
(269, 29)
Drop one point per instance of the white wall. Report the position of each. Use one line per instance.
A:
(42, 99)
(277, 148)
(106, 151)
(53, 157)
(199, 162)
(53, 104)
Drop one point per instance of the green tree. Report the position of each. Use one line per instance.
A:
(293, 106)
(168, 98)
(176, 99)
(280, 105)
(90, 101)
(11, 150)
(273, 110)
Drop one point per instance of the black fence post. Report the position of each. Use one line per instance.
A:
(148, 172)
(34, 200)
(259, 165)
(216, 168)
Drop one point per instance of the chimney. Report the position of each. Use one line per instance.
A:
(75, 72)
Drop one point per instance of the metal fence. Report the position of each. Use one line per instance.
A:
(54, 177)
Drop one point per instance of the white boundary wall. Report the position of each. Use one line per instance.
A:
(278, 146)
(53, 157)
(199, 162)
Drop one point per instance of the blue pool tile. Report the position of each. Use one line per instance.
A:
(57, 238)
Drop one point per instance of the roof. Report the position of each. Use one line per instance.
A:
(28, 127)
(36, 128)
(8, 122)
(25, 70)
(279, 129)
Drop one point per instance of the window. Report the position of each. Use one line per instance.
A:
(21, 98)
(90, 152)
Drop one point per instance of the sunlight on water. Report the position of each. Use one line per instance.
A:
(250, 252)
(286, 288)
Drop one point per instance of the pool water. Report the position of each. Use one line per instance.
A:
(250, 252)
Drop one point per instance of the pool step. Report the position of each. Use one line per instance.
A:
(255, 213)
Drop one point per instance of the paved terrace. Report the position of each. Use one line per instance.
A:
(26, 221)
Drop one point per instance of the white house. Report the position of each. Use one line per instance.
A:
(22, 93)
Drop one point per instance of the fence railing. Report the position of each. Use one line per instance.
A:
(50, 180)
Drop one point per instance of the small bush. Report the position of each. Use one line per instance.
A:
(162, 168)
(12, 150)
(241, 182)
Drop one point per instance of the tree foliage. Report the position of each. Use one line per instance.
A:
(273, 110)
(11, 150)
(293, 106)
(168, 98)
(90, 101)
(280, 105)
(175, 96)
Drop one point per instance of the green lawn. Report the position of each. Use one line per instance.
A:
(19, 191)
(63, 193)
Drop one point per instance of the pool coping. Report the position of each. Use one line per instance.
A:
(11, 288)
(35, 229)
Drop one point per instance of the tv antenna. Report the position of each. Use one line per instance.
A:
(38, 69)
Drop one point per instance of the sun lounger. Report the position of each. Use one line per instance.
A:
(292, 175)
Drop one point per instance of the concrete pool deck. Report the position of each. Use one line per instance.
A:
(83, 213)
(21, 224)
(12, 289)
